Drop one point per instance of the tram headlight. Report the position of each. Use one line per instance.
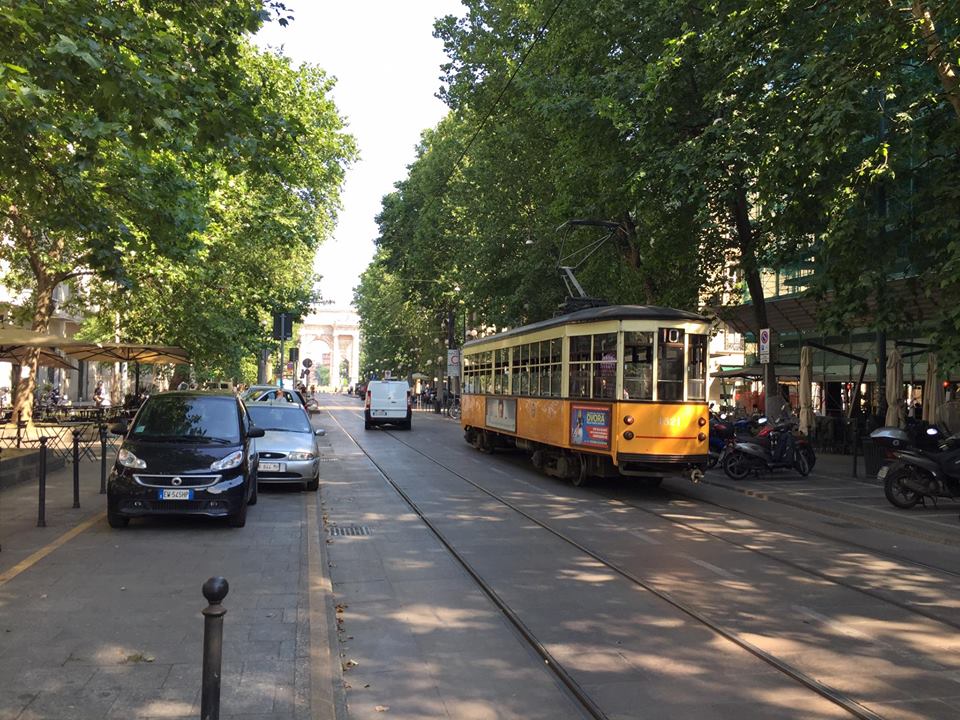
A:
(628, 420)
(628, 435)
(701, 422)
(701, 437)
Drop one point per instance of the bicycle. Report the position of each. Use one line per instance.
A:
(453, 410)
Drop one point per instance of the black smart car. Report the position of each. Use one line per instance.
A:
(186, 453)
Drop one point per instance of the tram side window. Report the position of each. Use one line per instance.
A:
(670, 365)
(534, 369)
(580, 366)
(556, 368)
(516, 370)
(638, 366)
(501, 369)
(484, 372)
(605, 365)
(467, 375)
(697, 367)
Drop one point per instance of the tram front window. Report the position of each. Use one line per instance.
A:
(638, 366)
(670, 365)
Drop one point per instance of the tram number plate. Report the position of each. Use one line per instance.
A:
(272, 467)
(176, 494)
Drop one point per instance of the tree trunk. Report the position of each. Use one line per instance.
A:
(946, 71)
(751, 272)
(26, 387)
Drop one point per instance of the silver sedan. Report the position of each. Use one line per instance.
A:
(288, 451)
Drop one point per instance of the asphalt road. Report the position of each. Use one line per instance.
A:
(427, 580)
(681, 602)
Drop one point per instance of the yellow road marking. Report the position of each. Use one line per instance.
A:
(40, 554)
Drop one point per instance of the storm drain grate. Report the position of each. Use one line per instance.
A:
(348, 530)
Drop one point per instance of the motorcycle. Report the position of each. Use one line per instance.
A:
(774, 447)
(920, 473)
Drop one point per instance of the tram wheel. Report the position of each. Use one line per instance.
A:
(580, 478)
(537, 459)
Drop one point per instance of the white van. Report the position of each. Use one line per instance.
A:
(387, 402)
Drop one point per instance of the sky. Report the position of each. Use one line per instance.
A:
(387, 66)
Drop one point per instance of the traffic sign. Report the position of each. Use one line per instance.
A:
(307, 363)
(764, 346)
(453, 363)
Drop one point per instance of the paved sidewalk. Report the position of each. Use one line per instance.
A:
(107, 624)
(832, 490)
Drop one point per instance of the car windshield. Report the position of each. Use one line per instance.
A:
(188, 418)
(291, 419)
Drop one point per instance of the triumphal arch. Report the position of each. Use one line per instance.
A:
(330, 337)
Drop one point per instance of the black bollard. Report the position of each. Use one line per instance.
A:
(42, 507)
(214, 590)
(856, 443)
(76, 468)
(103, 459)
(19, 426)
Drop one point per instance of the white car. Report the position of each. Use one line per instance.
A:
(387, 402)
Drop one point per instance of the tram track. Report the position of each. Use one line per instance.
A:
(832, 695)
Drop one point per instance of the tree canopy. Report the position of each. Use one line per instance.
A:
(707, 141)
(152, 156)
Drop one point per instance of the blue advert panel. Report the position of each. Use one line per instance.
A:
(590, 425)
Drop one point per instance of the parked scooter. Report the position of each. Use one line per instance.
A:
(721, 434)
(776, 446)
(920, 473)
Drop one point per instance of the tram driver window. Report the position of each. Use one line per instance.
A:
(697, 367)
(638, 366)
(605, 365)
(670, 365)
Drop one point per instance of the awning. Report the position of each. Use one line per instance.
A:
(798, 313)
(16, 342)
(48, 358)
(126, 352)
(756, 372)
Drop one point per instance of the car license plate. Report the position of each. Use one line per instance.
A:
(379, 413)
(272, 467)
(176, 494)
(882, 472)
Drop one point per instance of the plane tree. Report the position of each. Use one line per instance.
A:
(111, 118)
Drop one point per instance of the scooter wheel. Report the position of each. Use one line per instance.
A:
(802, 464)
(736, 466)
(897, 491)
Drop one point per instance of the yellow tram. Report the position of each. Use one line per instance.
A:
(605, 391)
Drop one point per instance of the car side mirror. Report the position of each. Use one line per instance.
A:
(255, 432)
(319, 432)
(118, 428)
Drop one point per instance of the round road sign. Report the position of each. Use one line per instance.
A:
(307, 363)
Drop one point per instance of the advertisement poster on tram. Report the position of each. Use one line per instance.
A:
(502, 414)
(590, 426)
